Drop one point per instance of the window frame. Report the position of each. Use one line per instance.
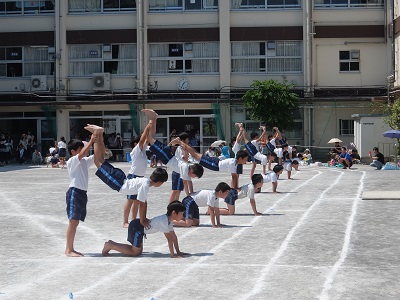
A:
(321, 4)
(99, 10)
(265, 5)
(346, 127)
(25, 10)
(352, 60)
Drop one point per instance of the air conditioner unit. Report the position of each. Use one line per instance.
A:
(38, 83)
(101, 81)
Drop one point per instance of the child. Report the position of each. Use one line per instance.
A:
(273, 177)
(115, 178)
(288, 163)
(78, 169)
(136, 232)
(232, 165)
(246, 190)
(203, 198)
(138, 169)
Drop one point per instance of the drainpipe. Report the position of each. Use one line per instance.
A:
(140, 71)
(308, 37)
(393, 40)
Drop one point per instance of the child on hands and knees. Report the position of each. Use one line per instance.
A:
(203, 198)
(137, 231)
(115, 178)
(78, 169)
(247, 190)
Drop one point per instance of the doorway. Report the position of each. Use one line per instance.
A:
(191, 125)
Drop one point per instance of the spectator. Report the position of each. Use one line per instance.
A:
(378, 160)
(36, 157)
(21, 154)
(62, 151)
(345, 159)
(3, 150)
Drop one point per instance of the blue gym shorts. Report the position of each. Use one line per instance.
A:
(232, 197)
(163, 152)
(136, 233)
(111, 176)
(76, 200)
(192, 209)
(130, 176)
(239, 169)
(177, 182)
(211, 163)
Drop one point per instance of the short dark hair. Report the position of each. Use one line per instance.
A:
(74, 144)
(242, 154)
(253, 135)
(295, 162)
(273, 154)
(159, 175)
(343, 148)
(375, 149)
(197, 169)
(222, 187)
(175, 206)
(284, 145)
(257, 178)
(277, 168)
(184, 135)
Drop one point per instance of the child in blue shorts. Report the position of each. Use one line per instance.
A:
(136, 232)
(115, 178)
(203, 198)
(76, 197)
(247, 190)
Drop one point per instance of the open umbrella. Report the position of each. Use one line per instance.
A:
(217, 143)
(334, 140)
(393, 134)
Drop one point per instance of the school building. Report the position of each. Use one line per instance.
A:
(66, 63)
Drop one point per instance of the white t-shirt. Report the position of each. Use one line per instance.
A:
(78, 171)
(159, 224)
(205, 198)
(179, 153)
(235, 148)
(279, 152)
(136, 186)
(139, 161)
(270, 177)
(256, 144)
(246, 190)
(62, 144)
(261, 157)
(287, 165)
(228, 165)
(181, 167)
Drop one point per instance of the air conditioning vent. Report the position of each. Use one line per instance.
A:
(38, 83)
(101, 81)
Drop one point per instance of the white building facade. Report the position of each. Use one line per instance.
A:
(66, 63)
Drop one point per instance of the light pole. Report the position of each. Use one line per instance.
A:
(390, 81)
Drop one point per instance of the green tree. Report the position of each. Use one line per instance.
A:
(272, 102)
(393, 119)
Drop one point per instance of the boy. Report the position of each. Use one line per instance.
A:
(273, 177)
(136, 232)
(245, 190)
(232, 165)
(177, 183)
(78, 169)
(138, 168)
(115, 178)
(203, 198)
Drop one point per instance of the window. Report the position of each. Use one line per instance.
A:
(84, 60)
(25, 61)
(26, 7)
(184, 58)
(347, 3)
(349, 61)
(100, 6)
(265, 4)
(179, 5)
(346, 127)
(267, 57)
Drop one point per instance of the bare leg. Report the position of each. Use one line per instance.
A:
(196, 155)
(71, 231)
(135, 209)
(152, 116)
(127, 209)
(174, 195)
(99, 147)
(122, 248)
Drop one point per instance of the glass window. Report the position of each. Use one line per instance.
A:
(267, 57)
(348, 3)
(115, 59)
(26, 7)
(349, 61)
(346, 127)
(265, 4)
(184, 58)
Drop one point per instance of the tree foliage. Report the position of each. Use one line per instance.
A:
(393, 119)
(272, 103)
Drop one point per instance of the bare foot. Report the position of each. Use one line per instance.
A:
(73, 253)
(106, 248)
(125, 225)
(92, 128)
(151, 114)
(262, 128)
(239, 125)
(175, 141)
(258, 214)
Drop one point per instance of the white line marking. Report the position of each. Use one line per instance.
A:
(265, 272)
(345, 249)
